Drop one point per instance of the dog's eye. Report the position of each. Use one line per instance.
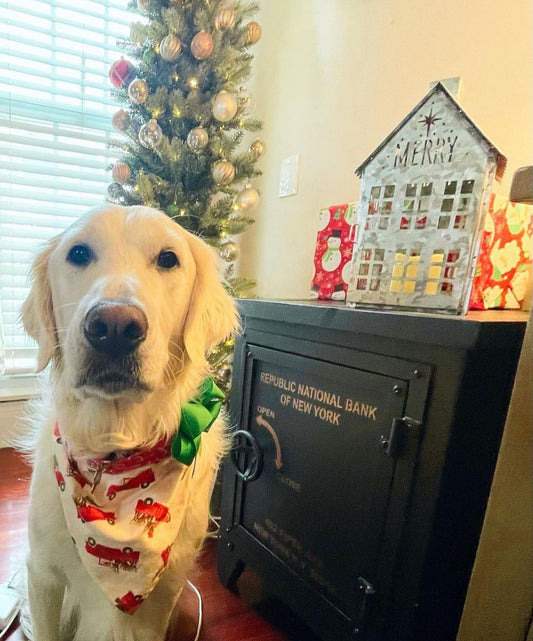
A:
(167, 260)
(80, 255)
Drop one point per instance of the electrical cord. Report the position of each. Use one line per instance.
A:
(200, 617)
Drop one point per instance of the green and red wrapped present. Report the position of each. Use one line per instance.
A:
(502, 278)
(333, 252)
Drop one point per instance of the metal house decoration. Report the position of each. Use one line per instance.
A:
(424, 194)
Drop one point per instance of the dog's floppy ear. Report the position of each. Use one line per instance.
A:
(37, 311)
(212, 315)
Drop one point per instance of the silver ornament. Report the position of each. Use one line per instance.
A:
(144, 6)
(121, 173)
(150, 134)
(225, 19)
(223, 373)
(253, 33)
(224, 106)
(120, 120)
(197, 138)
(170, 48)
(116, 194)
(257, 148)
(138, 91)
(223, 172)
(247, 200)
(228, 251)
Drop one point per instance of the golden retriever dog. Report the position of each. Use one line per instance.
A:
(125, 305)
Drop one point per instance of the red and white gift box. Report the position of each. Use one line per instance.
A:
(502, 278)
(333, 252)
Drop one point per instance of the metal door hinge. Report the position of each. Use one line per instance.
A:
(400, 428)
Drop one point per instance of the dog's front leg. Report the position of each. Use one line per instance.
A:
(45, 594)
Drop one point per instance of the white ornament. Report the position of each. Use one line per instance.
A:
(224, 106)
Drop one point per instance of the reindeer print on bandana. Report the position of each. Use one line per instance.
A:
(124, 512)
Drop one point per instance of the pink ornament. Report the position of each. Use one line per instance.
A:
(120, 73)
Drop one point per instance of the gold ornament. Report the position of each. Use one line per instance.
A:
(197, 138)
(247, 200)
(138, 91)
(150, 134)
(225, 19)
(121, 173)
(228, 251)
(170, 48)
(244, 100)
(223, 172)
(137, 32)
(144, 6)
(257, 148)
(120, 120)
(202, 45)
(224, 106)
(253, 33)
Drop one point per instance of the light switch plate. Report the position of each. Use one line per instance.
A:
(289, 177)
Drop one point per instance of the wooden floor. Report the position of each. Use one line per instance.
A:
(227, 617)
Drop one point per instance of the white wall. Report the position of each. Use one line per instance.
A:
(332, 78)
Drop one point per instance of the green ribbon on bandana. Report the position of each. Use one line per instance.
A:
(197, 416)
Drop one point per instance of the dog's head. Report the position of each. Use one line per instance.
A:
(123, 301)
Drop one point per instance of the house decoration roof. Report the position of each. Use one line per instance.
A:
(501, 160)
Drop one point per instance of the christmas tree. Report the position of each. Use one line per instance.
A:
(185, 122)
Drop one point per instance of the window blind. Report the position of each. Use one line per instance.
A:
(55, 125)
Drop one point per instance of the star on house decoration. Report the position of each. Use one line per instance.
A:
(429, 120)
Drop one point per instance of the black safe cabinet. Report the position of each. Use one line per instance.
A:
(362, 463)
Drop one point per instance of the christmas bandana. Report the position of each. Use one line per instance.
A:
(124, 513)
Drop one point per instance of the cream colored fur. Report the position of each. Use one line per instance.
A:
(188, 312)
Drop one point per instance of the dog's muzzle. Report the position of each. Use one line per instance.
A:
(113, 331)
(114, 328)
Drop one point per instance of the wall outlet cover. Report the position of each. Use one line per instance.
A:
(289, 176)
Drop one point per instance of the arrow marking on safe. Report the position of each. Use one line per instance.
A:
(261, 421)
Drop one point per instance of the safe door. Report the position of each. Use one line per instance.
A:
(319, 480)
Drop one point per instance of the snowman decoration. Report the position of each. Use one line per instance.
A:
(332, 257)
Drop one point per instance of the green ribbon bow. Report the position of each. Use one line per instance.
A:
(197, 416)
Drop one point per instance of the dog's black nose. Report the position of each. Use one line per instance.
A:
(115, 328)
